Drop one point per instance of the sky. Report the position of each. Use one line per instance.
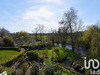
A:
(25, 15)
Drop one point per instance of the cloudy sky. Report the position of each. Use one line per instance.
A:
(17, 15)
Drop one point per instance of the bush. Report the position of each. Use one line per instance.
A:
(41, 60)
(49, 44)
(35, 69)
(22, 60)
(24, 68)
(32, 56)
(12, 61)
(56, 51)
(9, 42)
(50, 68)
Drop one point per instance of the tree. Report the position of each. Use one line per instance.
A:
(52, 36)
(41, 30)
(3, 32)
(32, 56)
(70, 22)
(36, 31)
(9, 42)
(23, 36)
(91, 38)
(62, 34)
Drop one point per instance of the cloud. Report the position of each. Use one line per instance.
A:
(34, 16)
(38, 12)
(42, 12)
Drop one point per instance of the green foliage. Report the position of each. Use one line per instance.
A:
(44, 37)
(56, 51)
(9, 42)
(49, 44)
(32, 56)
(91, 36)
(35, 69)
(22, 60)
(56, 69)
(50, 53)
(62, 54)
(82, 41)
(50, 69)
(23, 35)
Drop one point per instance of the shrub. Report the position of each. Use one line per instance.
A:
(49, 44)
(53, 69)
(24, 68)
(56, 51)
(32, 56)
(12, 61)
(41, 60)
(50, 69)
(58, 72)
(35, 69)
(22, 60)
(9, 42)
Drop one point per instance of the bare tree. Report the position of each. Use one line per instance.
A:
(36, 33)
(41, 30)
(70, 22)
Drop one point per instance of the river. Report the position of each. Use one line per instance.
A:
(81, 51)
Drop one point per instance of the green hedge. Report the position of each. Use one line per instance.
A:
(12, 61)
(9, 48)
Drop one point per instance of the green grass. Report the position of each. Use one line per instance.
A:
(6, 55)
(50, 53)
(62, 53)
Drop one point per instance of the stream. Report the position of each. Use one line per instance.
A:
(81, 51)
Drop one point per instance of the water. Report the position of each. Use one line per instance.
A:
(81, 50)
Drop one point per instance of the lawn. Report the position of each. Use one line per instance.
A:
(6, 55)
(51, 53)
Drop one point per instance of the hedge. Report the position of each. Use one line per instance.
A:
(12, 61)
(9, 48)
